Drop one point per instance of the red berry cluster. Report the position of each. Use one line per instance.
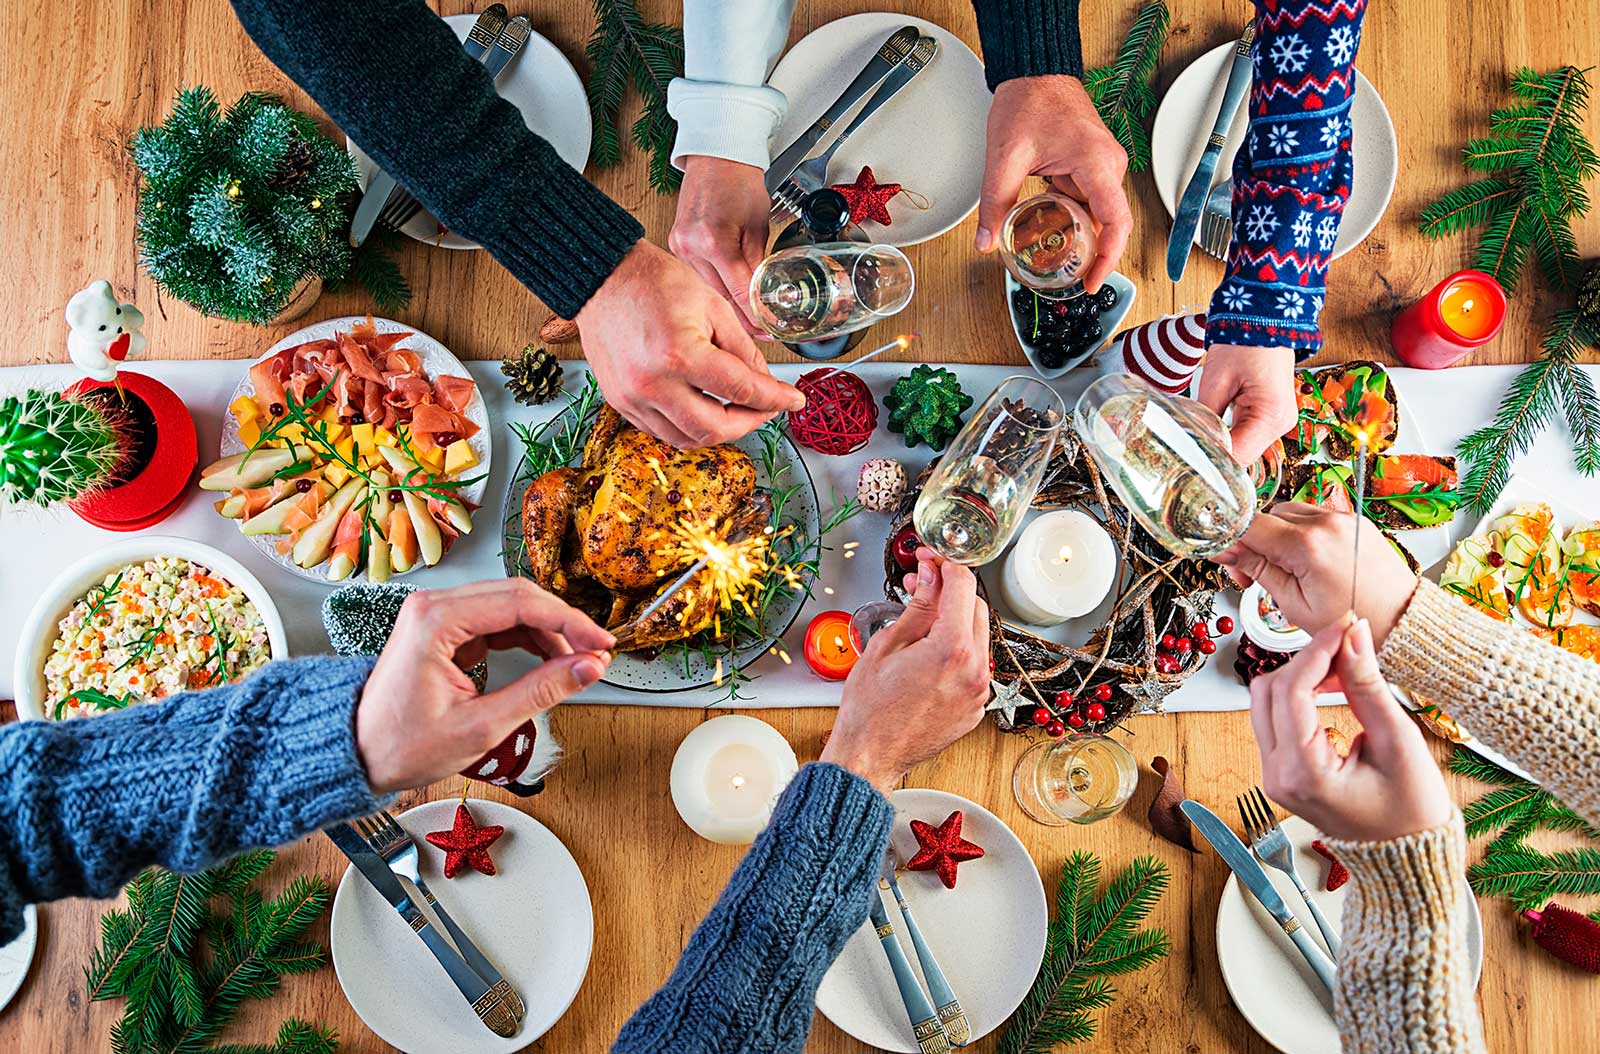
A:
(1076, 717)
(1175, 650)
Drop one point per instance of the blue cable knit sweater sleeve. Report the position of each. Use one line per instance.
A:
(1291, 176)
(747, 982)
(183, 783)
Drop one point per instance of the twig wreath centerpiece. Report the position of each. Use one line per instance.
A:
(242, 214)
(1123, 668)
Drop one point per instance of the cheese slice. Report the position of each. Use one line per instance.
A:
(458, 457)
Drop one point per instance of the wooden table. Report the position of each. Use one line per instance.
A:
(68, 218)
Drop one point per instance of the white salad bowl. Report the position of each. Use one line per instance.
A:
(40, 631)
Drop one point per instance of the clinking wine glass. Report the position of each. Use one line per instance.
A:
(1167, 458)
(812, 292)
(976, 496)
(1047, 242)
(1081, 779)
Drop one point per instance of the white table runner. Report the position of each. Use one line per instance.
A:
(34, 547)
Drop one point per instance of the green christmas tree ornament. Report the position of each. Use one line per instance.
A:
(926, 406)
(56, 447)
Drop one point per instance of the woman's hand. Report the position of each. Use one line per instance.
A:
(1259, 384)
(721, 228)
(420, 717)
(1303, 556)
(1389, 785)
(923, 682)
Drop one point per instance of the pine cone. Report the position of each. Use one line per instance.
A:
(297, 162)
(1589, 297)
(533, 376)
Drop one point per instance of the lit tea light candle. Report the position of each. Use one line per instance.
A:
(1063, 565)
(1463, 312)
(829, 652)
(726, 776)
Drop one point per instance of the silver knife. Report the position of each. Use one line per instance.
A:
(480, 38)
(1238, 857)
(892, 52)
(486, 1003)
(1187, 216)
(951, 1016)
(924, 1022)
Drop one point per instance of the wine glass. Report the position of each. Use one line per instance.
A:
(871, 617)
(812, 292)
(1081, 779)
(976, 496)
(1168, 459)
(1047, 242)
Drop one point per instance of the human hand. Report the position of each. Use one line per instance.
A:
(721, 228)
(1259, 384)
(1388, 786)
(1302, 555)
(420, 717)
(668, 350)
(1048, 126)
(923, 682)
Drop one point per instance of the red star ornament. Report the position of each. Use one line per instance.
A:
(869, 199)
(940, 849)
(466, 844)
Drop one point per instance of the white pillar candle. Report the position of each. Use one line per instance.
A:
(726, 776)
(1063, 565)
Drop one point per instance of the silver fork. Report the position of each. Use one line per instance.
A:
(391, 841)
(1216, 220)
(398, 210)
(1272, 846)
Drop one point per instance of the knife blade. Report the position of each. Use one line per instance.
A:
(1187, 216)
(924, 1022)
(890, 54)
(474, 989)
(1244, 865)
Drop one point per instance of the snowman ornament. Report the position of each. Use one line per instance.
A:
(103, 332)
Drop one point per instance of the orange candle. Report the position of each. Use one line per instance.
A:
(829, 652)
(1463, 312)
(1467, 309)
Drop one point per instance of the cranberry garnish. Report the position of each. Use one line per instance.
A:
(302, 485)
(1305, 389)
(1495, 559)
(357, 417)
(276, 410)
(445, 438)
(592, 483)
(673, 497)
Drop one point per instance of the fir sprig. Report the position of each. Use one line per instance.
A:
(1121, 91)
(1094, 936)
(1535, 160)
(625, 49)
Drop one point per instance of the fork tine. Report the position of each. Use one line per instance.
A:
(363, 825)
(391, 827)
(1244, 815)
(1268, 815)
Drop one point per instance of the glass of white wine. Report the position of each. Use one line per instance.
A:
(1047, 242)
(976, 496)
(812, 292)
(1081, 779)
(1168, 459)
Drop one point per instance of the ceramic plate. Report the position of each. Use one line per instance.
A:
(436, 360)
(987, 933)
(533, 920)
(1270, 983)
(1109, 323)
(676, 669)
(1189, 109)
(16, 957)
(929, 137)
(542, 84)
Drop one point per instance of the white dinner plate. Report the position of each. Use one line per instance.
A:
(987, 933)
(929, 137)
(1268, 979)
(16, 957)
(1189, 109)
(533, 920)
(542, 84)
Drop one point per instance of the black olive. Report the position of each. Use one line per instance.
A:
(302, 485)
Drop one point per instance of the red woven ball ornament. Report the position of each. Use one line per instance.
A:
(1567, 935)
(839, 414)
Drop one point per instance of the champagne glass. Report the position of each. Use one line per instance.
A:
(1168, 459)
(1081, 779)
(1047, 242)
(813, 292)
(976, 496)
(870, 618)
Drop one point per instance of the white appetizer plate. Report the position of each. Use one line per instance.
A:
(1110, 324)
(929, 137)
(533, 920)
(540, 83)
(1268, 979)
(1189, 109)
(987, 933)
(16, 957)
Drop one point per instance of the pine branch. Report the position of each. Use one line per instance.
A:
(1121, 91)
(1464, 762)
(1512, 809)
(625, 49)
(1530, 878)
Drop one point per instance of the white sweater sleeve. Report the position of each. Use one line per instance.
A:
(722, 104)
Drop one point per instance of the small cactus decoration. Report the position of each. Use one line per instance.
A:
(57, 447)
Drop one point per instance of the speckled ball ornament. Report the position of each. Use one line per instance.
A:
(881, 484)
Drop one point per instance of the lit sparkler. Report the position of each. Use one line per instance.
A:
(1363, 434)
(900, 343)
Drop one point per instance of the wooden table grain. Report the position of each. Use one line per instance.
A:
(71, 91)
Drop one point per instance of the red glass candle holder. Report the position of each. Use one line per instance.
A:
(1463, 312)
(829, 652)
(160, 484)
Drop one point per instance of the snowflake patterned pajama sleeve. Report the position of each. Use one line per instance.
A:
(1291, 177)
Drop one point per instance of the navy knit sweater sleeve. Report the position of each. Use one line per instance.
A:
(393, 76)
(184, 783)
(747, 982)
(1028, 38)
(1291, 177)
